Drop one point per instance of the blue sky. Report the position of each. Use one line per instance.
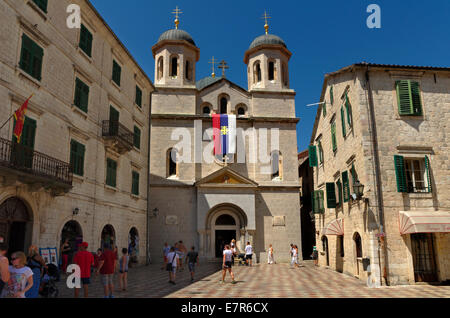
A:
(323, 36)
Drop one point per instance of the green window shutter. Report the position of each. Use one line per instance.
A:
(331, 95)
(317, 202)
(77, 98)
(343, 122)
(137, 137)
(427, 167)
(111, 172)
(324, 108)
(348, 107)
(77, 152)
(117, 70)
(26, 54)
(312, 156)
(320, 199)
(333, 136)
(38, 55)
(405, 97)
(86, 40)
(135, 183)
(346, 186)
(81, 95)
(331, 196)
(42, 4)
(415, 98)
(353, 172)
(85, 97)
(313, 201)
(400, 174)
(320, 151)
(138, 96)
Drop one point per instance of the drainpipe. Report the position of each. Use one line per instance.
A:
(378, 189)
(148, 261)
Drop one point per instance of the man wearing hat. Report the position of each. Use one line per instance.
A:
(84, 260)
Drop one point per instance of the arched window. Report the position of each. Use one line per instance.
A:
(172, 166)
(225, 219)
(160, 68)
(277, 165)
(257, 72)
(223, 105)
(272, 71)
(188, 71)
(206, 110)
(358, 245)
(285, 75)
(241, 111)
(174, 66)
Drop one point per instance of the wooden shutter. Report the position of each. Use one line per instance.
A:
(408, 97)
(331, 95)
(135, 183)
(138, 96)
(42, 4)
(137, 137)
(333, 136)
(313, 202)
(317, 202)
(343, 122)
(348, 106)
(117, 70)
(320, 151)
(111, 171)
(320, 202)
(346, 186)
(37, 57)
(400, 174)
(26, 54)
(84, 97)
(428, 172)
(86, 40)
(331, 196)
(77, 152)
(324, 108)
(415, 98)
(77, 99)
(339, 187)
(312, 156)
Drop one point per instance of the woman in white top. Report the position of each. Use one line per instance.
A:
(270, 259)
(227, 264)
(295, 256)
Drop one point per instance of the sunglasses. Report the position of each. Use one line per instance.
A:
(13, 259)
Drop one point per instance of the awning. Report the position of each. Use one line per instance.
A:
(424, 222)
(335, 227)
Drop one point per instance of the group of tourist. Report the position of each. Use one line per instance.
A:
(174, 257)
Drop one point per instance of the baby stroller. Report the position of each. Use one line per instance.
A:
(241, 260)
(48, 287)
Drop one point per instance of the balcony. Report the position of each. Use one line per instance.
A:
(24, 164)
(117, 136)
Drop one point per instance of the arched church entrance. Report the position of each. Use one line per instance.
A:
(225, 230)
(16, 225)
(73, 233)
(108, 236)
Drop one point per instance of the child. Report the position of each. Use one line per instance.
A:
(123, 269)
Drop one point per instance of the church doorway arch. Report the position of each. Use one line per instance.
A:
(16, 225)
(74, 234)
(108, 236)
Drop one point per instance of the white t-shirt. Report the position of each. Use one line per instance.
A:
(170, 256)
(228, 254)
(18, 281)
(248, 250)
(294, 252)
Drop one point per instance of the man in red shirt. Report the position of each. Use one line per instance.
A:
(84, 260)
(107, 267)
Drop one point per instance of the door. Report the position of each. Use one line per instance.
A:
(113, 121)
(22, 153)
(423, 257)
(223, 237)
(325, 249)
(15, 226)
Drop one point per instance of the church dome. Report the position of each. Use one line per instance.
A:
(176, 34)
(267, 39)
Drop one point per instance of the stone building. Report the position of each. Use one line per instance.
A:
(206, 204)
(89, 115)
(386, 126)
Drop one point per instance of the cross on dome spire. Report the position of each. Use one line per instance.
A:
(177, 13)
(213, 61)
(266, 18)
(223, 65)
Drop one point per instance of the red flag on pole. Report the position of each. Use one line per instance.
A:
(19, 115)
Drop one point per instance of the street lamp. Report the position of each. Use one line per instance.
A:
(359, 189)
(76, 211)
(155, 212)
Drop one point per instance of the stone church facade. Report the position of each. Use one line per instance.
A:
(206, 204)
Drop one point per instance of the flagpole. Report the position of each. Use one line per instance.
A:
(6, 121)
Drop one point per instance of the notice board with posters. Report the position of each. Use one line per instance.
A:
(50, 255)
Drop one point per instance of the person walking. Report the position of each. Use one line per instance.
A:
(21, 277)
(37, 264)
(233, 249)
(106, 267)
(315, 256)
(166, 251)
(248, 254)
(192, 260)
(4, 267)
(294, 260)
(182, 253)
(65, 252)
(227, 264)
(270, 259)
(85, 260)
(173, 262)
(123, 269)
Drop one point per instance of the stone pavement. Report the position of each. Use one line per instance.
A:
(260, 281)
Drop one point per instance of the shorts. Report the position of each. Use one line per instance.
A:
(180, 255)
(107, 279)
(191, 267)
(174, 269)
(249, 256)
(121, 272)
(228, 265)
(86, 281)
(165, 259)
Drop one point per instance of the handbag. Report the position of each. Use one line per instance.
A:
(169, 266)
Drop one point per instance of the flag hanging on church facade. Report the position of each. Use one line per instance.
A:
(224, 128)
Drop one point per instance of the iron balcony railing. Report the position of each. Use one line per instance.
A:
(112, 128)
(21, 158)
